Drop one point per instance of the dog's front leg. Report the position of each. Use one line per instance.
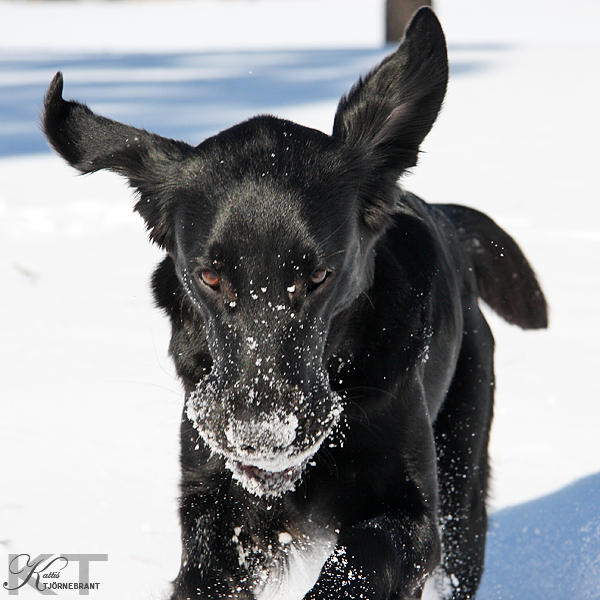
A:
(387, 558)
(210, 570)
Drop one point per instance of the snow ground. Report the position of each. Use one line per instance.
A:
(90, 407)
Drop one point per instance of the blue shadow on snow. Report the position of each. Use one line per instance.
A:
(187, 96)
(548, 548)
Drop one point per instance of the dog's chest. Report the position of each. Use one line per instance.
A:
(290, 569)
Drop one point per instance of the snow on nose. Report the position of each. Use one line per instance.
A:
(263, 435)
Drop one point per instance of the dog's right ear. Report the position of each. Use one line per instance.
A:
(90, 143)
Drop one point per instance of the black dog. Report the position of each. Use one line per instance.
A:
(325, 324)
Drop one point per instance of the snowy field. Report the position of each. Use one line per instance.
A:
(90, 407)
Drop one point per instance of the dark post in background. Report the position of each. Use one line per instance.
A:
(398, 15)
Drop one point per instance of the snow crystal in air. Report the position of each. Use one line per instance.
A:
(284, 537)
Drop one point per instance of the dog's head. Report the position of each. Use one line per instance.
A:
(271, 227)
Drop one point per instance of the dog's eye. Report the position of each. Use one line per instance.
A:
(210, 278)
(317, 278)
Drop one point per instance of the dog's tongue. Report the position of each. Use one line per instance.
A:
(266, 483)
(262, 475)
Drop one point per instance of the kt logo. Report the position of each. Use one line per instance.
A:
(43, 571)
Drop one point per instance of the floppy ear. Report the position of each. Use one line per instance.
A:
(90, 143)
(386, 115)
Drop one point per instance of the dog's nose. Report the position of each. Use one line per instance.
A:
(263, 433)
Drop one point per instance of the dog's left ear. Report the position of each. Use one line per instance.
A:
(386, 115)
(90, 143)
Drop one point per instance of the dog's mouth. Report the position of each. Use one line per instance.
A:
(268, 455)
(261, 482)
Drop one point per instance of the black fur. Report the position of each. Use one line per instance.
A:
(337, 368)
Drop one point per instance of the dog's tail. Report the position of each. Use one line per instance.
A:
(506, 281)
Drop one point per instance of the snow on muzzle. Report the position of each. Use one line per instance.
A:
(267, 441)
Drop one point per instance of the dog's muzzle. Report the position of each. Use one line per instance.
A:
(266, 449)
